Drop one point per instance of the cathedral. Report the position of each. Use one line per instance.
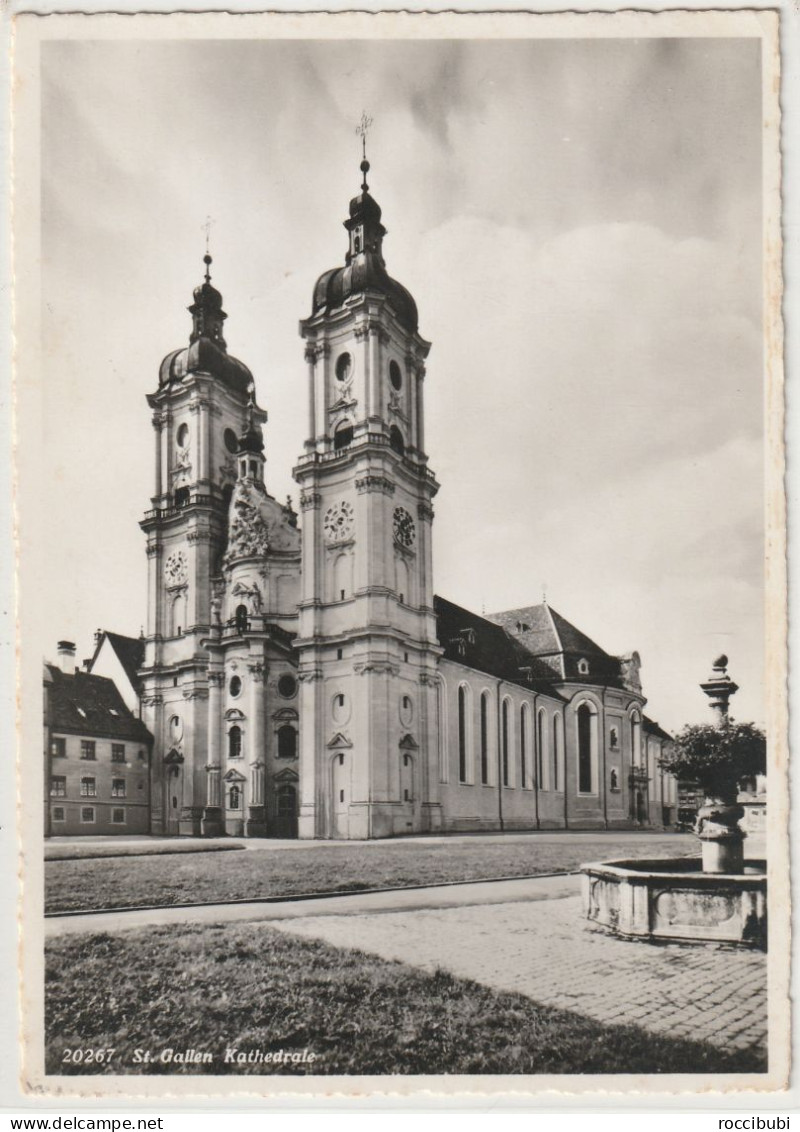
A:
(300, 678)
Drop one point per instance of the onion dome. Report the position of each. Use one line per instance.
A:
(207, 351)
(365, 269)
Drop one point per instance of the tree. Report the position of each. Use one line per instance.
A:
(718, 757)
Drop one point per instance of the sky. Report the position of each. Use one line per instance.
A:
(579, 222)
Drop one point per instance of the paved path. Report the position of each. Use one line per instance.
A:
(438, 896)
(547, 951)
(527, 936)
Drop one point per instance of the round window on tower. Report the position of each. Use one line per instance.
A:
(182, 436)
(344, 366)
(235, 686)
(231, 440)
(395, 376)
(287, 686)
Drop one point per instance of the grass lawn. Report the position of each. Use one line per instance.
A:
(250, 988)
(120, 883)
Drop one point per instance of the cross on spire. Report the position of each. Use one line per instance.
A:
(207, 257)
(362, 129)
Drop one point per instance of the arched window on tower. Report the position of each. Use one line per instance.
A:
(343, 436)
(287, 742)
(396, 440)
(235, 743)
(242, 622)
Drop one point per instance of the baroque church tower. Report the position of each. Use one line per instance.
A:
(367, 645)
(203, 412)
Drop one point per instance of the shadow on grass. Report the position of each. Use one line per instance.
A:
(247, 988)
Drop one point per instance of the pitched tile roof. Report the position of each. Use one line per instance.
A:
(129, 650)
(485, 646)
(557, 642)
(83, 704)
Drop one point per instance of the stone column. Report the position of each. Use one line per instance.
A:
(256, 824)
(213, 823)
(722, 841)
(157, 427)
(311, 357)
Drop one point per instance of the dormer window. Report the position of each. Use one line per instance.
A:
(583, 667)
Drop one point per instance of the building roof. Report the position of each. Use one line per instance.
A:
(130, 652)
(485, 646)
(652, 728)
(84, 704)
(558, 643)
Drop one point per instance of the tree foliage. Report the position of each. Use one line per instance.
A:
(718, 757)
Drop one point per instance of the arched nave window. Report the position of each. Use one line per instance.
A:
(586, 718)
(485, 738)
(557, 753)
(636, 739)
(523, 745)
(505, 741)
(462, 733)
(541, 747)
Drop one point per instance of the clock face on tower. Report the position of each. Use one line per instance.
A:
(339, 522)
(404, 530)
(176, 568)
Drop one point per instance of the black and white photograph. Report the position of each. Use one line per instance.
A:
(400, 523)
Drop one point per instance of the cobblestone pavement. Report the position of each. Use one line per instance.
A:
(546, 951)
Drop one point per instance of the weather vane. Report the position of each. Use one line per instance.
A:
(362, 129)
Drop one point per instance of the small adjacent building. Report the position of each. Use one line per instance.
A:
(97, 754)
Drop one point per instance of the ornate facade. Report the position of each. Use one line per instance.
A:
(300, 677)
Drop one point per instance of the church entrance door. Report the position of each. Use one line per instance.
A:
(286, 811)
(340, 810)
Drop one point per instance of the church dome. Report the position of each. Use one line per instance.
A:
(365, 273)
(364, 269)
(205, 356)
(207, 351)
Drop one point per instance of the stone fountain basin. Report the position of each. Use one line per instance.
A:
(673, 899)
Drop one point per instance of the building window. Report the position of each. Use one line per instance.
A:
(344, 366)
(58, 786)
(88, 749)
(556, 753)
(583, 667)
(242, 622)
(59, 813)
(395, 376)
(182, 497)
(462, 734)
(235, 686)
(485, 739)
(540, 749)
(342, 437)
(234, 743)
(118, 816)
(396, 440)
(117, 787)
(585, 728)
(504, 727)
(88, 788)
(234, 798)
(140, 756)
(287, 685)
(87, 815)
(636, 740)
(523, 740)
(118, 752)
(287, 742)
(58, 748)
